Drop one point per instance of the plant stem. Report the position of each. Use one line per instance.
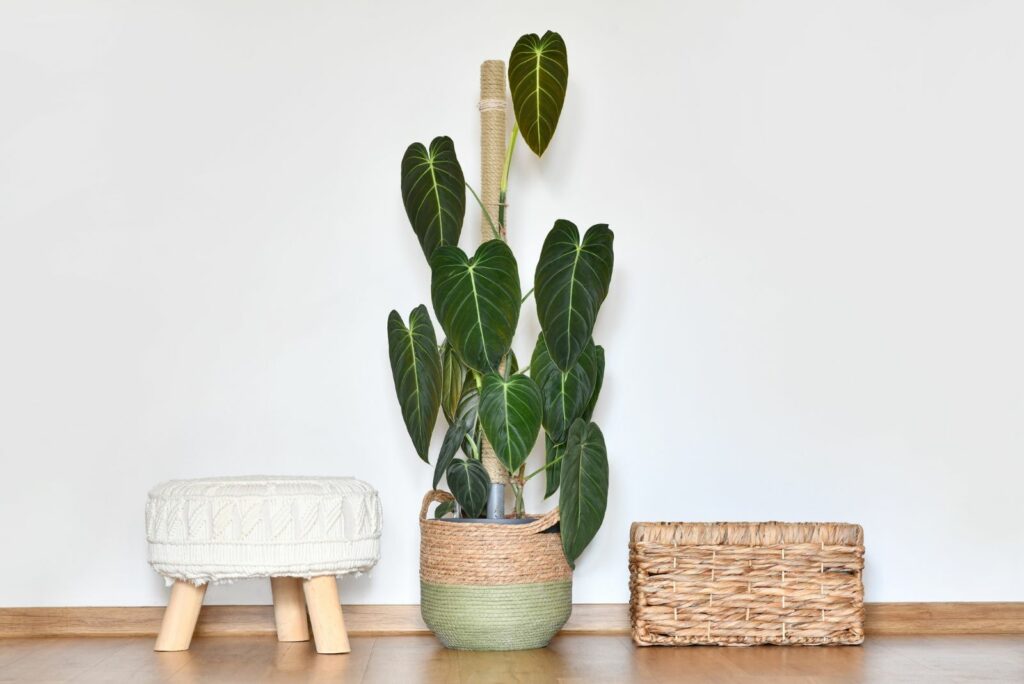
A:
(487, 214)
(503, 190)
(472, 444)
(520, 505)
(544, 467)
(526, 296)
(508, 157)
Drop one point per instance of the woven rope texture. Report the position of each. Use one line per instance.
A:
(496, 618)
(514, 576)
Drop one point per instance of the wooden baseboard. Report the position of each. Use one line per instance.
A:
(381, 620)
(944, 618)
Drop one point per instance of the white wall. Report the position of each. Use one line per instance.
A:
(815, 314)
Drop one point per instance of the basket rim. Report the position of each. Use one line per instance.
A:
(767, 533)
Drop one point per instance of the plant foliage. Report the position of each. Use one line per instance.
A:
(416, 369)
(473, 378)
(434, 193)
(477, 301)
(538, 74)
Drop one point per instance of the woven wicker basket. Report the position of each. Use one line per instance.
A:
(741, 584)
(492, 587)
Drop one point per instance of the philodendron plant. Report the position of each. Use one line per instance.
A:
(473, 377)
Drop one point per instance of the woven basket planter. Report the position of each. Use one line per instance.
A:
(742, 584)
(492, 587)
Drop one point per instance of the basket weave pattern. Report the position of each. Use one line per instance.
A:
(492, 586)
(740, 584)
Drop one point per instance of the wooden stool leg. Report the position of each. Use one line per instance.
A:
(325, 613)
(180, 617)
(289, 609)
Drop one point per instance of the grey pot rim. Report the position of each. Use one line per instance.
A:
(489, 521)
(554, 529)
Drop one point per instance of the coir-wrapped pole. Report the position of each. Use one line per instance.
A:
(492, 161)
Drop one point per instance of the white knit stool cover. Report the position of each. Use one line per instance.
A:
(228, 528)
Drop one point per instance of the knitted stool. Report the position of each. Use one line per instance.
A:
(301, 532)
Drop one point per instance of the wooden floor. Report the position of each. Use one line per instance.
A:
(583, 659)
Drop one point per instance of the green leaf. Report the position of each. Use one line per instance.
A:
(584, 495)
(538, 74)
(434, 193)
(444, 509)
(470, 485)
(598, 381)
(572, 281)
(477, 301)
(449, 447)
(552, 466)
(468, 414)
(453, 377)
(510, 411)
(565, 394)
(416, 368)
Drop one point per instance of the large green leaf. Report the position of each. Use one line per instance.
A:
(584, 495)
(453, 439)
(477, 301)
(510, 411)
(598, 381)
(538, 73)
(565, 394)
(416, 368)
(552, 466)
(571, 282)
(470, 486)
(434, 193)
(453, 377)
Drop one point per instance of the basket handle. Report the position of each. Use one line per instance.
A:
(549, 519)
(432, 496)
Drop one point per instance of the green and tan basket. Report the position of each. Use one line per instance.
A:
(492, 587)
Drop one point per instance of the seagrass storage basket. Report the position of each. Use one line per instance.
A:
(742, 584)
(492, 587)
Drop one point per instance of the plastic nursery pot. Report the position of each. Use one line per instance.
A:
(486, 586)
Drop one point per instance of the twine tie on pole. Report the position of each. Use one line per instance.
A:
(488, 104)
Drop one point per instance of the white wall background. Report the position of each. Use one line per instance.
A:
(816, 311)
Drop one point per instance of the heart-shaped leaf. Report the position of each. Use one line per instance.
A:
(434, 193)
(510, 411)
(584, 494)
(416, 368)
(538, 73)
(449, 447)
(572, 281)
(470, 486)
(477, 301)
(598, 381)
(552, 465)
(565, 394)
(453, 377)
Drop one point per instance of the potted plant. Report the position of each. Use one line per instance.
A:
(503, 582)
